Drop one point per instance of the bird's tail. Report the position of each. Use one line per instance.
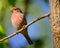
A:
(25, 33)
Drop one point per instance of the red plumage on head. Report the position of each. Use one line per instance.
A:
(15, 8)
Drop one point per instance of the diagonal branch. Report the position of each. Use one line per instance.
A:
(25, 26)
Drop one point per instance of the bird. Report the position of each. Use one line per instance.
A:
(18, 21)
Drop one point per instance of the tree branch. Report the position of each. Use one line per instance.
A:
(25, 26)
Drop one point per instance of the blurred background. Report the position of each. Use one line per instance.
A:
(39, 32)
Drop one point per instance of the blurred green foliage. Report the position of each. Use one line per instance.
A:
(2, 28)
(2, 35)
(2, 31)
(12, 2)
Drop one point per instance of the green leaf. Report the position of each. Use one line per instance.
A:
(12, 2)
(2, 31)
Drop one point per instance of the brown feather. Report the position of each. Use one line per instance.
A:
(18, 21)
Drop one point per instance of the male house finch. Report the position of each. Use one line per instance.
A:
(18, 21)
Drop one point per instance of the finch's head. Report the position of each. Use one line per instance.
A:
(15, 9)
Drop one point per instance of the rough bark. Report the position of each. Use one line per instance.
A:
(55, 21)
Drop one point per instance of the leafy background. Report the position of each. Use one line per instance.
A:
(40, 32)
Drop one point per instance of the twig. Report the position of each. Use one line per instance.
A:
(25, 26)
